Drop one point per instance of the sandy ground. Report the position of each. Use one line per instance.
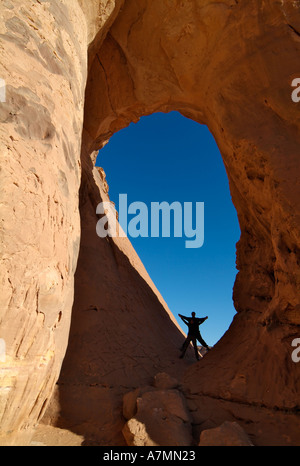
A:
(48, 436)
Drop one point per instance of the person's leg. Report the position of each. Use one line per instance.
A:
(201, 341)
(185, 346)
(194, 340)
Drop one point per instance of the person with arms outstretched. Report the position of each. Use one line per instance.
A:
(193, 324)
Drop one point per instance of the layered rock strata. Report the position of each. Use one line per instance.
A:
(44, 66)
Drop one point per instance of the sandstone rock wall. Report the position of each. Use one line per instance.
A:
(44, 65)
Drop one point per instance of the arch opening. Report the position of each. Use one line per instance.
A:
(167, 158)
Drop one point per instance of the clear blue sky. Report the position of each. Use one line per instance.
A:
(166, 157)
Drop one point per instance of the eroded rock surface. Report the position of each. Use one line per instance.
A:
(229, 434)
(44, 65)
(157, 417)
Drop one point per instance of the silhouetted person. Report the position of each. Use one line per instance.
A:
(193, 324)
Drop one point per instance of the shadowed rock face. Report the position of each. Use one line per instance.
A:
(43, 62)
(228, 65)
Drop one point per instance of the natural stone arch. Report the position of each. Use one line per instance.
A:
(223, 64)
(166, 68)
(153, 60)
(215, 63)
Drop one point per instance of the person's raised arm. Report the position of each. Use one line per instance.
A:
(202, 319)
(184, 318)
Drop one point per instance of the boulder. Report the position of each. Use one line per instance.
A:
(162, 418)
(136, 434)
(130, 401)
(226, 435)
(164, 381)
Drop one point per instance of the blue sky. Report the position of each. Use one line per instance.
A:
(167, 157)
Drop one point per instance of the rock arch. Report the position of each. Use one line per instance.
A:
(228, 65)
